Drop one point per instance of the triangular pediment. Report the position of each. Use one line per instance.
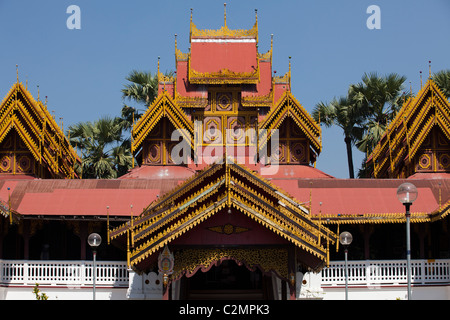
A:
(162, 106)
(223, 187)
(38, 131)
(288, 106)
(418, 121)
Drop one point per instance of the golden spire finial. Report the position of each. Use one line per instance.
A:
(175, 41)
(158, 65)
(429, 67)
(190, 27)
(38, 92)
(420, 79)
(289, 73)
(225, 14)
(256, 15)
(17, 72)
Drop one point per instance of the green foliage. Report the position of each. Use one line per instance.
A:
(347, 113)
(106, 154)
(38, 294)
(365, 112)
(442, 80)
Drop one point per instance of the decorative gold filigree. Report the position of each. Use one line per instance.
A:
(257, 101)
(224, 76)
(188, 261)
(39, 132)
(406, 134)
(180, 56)
(228, 229)
(224, 32)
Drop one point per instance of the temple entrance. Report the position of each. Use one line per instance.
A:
(227, 281)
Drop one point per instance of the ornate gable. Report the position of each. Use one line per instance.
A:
(299, 134)
(228, 188)
(418, 139)
(210, 98)
(153, 129)
(31, 142)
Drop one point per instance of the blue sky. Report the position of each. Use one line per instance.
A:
(82, 71)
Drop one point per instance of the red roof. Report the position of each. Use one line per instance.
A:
(142, 186)
(83, 197)
(222, 54)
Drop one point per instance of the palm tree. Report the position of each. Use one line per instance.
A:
(381, 97)
(105, 154)
(442, 79)
(346, 113)
(143, 87)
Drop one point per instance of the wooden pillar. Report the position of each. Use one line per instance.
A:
(283, 290)
(292, 272)
(422, 234)
(83, 239)
(26, 239)
(367, 233)
(167, 291)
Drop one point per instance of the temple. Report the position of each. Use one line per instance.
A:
(416, 143)
(224, 200)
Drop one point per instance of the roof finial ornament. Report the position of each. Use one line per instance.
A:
(256, 15)
(420, 79)
(38, 92)
(158, 65)
(17, 72)
(225, 14)
(190, 27)
(429, 67)
(289, 73)
(175, 48)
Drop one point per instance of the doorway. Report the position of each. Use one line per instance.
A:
(227, 281)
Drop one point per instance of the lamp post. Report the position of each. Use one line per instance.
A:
(407, 194)
(94, 241)
(345, 238)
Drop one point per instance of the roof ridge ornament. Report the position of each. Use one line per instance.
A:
(224, 32)
(225, 14)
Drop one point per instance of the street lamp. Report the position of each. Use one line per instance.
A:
(407, 194)
(94, 241)
(345, 238)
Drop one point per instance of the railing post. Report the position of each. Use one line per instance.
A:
(368, 271)
(25, 272)
(423, 273)
(83, 273)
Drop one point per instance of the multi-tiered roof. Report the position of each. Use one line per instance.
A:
(31, 142)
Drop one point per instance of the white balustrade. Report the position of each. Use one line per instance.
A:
(385, 272)
(115, 273)
(63, 273)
